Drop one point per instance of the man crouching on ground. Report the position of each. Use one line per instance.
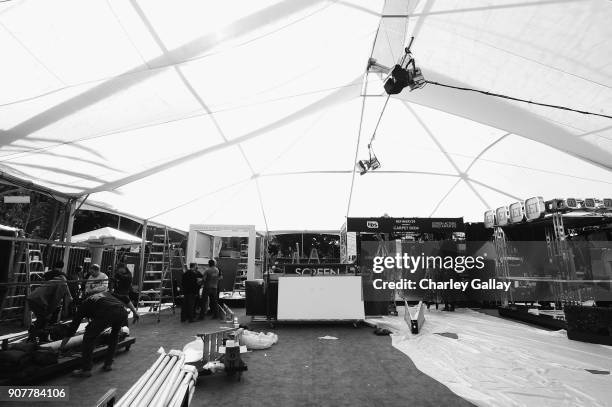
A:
(104, 310)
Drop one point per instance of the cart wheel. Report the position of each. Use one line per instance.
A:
(127, 348)
(355, 324)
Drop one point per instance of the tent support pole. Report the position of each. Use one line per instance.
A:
(68, 233)
(142, 256)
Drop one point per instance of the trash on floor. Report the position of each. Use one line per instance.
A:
(451, 335)
(258, 340)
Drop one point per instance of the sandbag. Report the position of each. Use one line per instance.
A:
(258, 340)
(44, 357)
(27, 347)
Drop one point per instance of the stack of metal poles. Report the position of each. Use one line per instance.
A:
(167, 383)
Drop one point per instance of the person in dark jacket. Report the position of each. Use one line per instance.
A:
(56, 271)
(43, 302)
(104, 310)
(190, 288)
(123, 283)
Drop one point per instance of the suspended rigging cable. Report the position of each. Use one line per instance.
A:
(519, 99)
(379, 119)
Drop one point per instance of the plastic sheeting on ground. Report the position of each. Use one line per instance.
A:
(496, 362)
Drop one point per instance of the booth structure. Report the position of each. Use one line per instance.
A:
(306, 282)
(237, 249)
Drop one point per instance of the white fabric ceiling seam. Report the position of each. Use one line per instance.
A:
(254, 175)
(194, 114)
(127, 35)
(480, 41)
(199, 197)
(451, 189)
(32, 55)
(331, 99)
(154, 68)
(433, 138)
(183, 78)
(493, 7)
(484, 150)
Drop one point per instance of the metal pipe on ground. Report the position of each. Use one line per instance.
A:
(175, 385)
(137, 396)
(148, 385)
(164, 393)
(179, 395)
(133, 391)
(155, 387)
(168, 382)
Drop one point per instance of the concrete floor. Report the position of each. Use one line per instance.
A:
(358, 369)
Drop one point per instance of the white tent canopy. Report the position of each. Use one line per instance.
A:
(243, 112)
(106, 235)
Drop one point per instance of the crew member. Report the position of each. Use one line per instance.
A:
(190, 287)
(97, 281)
(43, 302)
(212, 275)
(57, 270)
(104, 310)
(123, 283)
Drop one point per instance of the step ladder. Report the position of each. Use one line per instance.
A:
(157, 284)
(314, 256)
(27, 274)
(295, 257)
(177, 258)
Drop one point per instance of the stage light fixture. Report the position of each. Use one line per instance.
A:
(403, 74)
(489, 219)
(593, 203)
(517, 212)
(370, 164)
(534, 208)
(502, 216)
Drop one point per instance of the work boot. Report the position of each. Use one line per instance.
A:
(81, 373)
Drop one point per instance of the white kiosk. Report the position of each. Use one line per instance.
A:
(242, 262)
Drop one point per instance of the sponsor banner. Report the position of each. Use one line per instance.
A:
(404, 225)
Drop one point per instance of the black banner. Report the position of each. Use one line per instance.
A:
(402, 225)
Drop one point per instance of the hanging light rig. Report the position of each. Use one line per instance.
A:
(368, 165)
(404, 74)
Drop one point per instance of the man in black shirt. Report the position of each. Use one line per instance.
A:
(104, 310)
(190, 292)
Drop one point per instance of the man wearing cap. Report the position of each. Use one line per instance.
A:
(104, 310)
(97, 282)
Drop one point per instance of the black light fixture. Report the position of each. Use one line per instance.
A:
(405, 74)
(370, 164)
